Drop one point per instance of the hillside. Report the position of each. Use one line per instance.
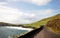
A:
(43, 21)
(8, 24)
(33, 25)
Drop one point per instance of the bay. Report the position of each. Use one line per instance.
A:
(7, 32)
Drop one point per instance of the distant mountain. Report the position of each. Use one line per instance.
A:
(5, 24)
(43, 21)
(8, 24)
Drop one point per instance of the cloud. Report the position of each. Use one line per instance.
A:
(3, 3)
(40, 14)
(45, 11)
(12, 15)
(41, 2)
(12, 0)
(15, 16)
(36, 2)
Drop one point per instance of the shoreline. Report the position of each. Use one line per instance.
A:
(18, 28)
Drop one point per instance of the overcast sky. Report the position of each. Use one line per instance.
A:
(27, 11)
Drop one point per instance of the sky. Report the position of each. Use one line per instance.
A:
(27, 11)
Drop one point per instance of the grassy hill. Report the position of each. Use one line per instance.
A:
(33, 25)
(43, 21)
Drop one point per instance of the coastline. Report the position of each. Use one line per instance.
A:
(18, 28)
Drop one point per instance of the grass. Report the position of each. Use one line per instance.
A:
(42, 22)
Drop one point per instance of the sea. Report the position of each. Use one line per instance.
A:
(10, 32)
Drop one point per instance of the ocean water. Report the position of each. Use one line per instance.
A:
(10, 32)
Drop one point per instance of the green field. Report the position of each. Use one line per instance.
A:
(42, 22)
